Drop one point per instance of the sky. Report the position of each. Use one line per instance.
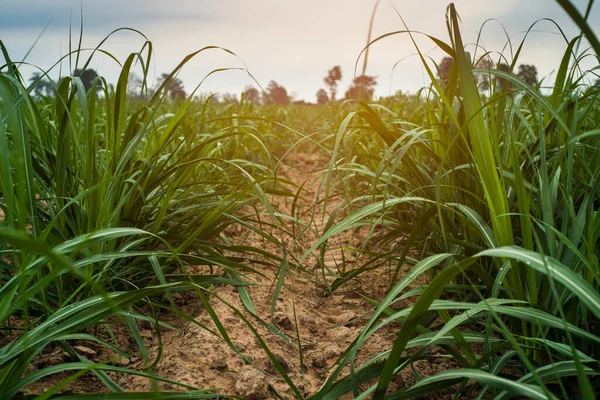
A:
(293, 42)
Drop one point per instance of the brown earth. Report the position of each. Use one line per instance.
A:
(324, 323)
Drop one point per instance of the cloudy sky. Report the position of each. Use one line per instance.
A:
(293, 42)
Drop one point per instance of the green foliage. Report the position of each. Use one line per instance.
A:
(500, 193)
(490, 199)
(105, 201)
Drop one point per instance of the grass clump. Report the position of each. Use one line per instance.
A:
(105, 203)
(503, 189)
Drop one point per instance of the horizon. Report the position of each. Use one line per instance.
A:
(290, 44)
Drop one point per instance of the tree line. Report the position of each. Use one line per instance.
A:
(362, 87)
(526, 72)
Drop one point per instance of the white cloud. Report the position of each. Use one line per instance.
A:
(292, 42)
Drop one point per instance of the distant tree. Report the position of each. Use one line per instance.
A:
(38, 88)
(277, 94)
(528, 74)
(362, 88)
(42, 87)
(504, 68)
(173, 86)
(322, 97)
(301, 103)
(87, 77)
(134, 85)
(483, 79)
(444, 69)
(252, 95)
(331, 80)
(229, 98)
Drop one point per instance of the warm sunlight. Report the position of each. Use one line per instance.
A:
(292, 43)
(299, 200)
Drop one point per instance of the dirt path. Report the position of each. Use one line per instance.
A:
(326, 324)
(304, 316)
